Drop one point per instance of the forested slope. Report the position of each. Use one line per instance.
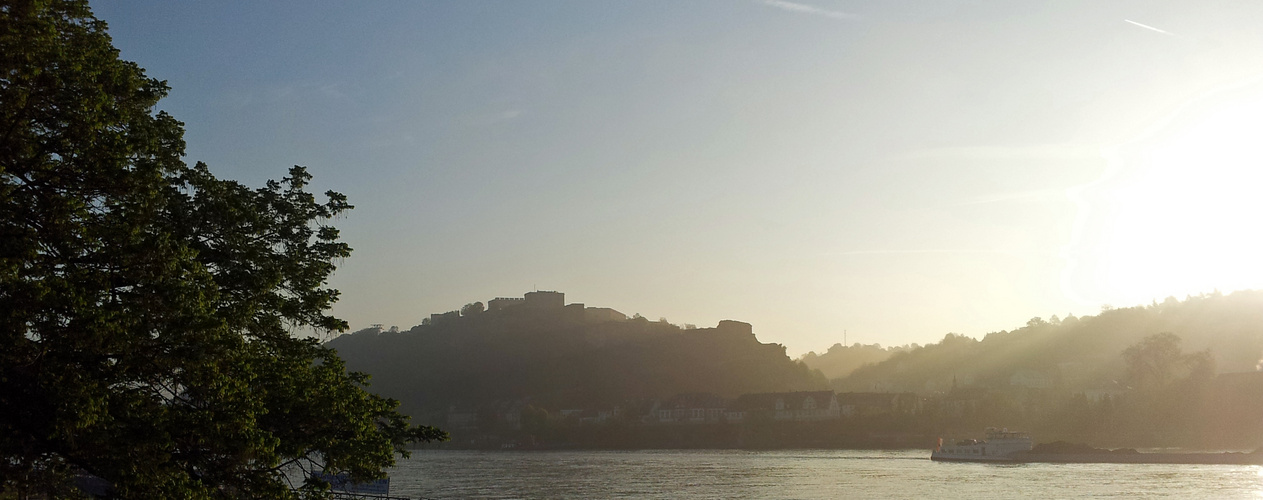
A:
(1076, 353)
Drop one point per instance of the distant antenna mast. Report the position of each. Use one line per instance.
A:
(844, 344)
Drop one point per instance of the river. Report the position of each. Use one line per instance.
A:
(435, 474)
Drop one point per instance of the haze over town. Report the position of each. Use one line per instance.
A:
(894, 170)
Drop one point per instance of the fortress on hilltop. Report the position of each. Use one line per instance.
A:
(548, 300)
(535, 300)
(553, 304)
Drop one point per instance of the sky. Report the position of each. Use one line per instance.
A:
(887, 172)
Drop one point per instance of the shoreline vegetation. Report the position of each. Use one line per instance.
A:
(881, 442)
(1051, 452)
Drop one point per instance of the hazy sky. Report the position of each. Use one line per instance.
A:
(897, 170)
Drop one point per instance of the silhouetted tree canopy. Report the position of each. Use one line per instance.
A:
(146, 307)
(1157, 360)
(472, 309)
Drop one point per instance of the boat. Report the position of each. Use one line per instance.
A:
(1000, 445)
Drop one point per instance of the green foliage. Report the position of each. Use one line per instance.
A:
(146, 307)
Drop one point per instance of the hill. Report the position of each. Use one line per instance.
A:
(1075, 354)
(1175, 373)
(563, 356)
(841, 360)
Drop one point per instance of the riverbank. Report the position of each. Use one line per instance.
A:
(781, 436)
(795, 474)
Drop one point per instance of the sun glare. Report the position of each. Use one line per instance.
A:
(1188, 219)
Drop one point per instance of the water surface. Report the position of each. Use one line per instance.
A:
(797, 474)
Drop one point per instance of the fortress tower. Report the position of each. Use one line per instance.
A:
(533, 300)
(545, 300)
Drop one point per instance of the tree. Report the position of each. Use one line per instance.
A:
(1172, 387)
(1152, 362)
(472, 309)
(147, 308)
(1157, 360)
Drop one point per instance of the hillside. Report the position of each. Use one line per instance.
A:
(554, 356)
(1075, 353)
(841, 360)
(1175, 373)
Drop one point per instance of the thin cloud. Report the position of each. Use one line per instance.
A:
(332, 90)
(1022, 196)
(1145, 26)
(505, 116)
(915, 252)
(1064, 151)
(304, 91)
(808, 9)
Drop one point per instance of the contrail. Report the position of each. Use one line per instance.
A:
(808, 9)
(1145, 26)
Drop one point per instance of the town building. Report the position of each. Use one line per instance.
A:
(862, 404)
(692, 408)
(792, 406)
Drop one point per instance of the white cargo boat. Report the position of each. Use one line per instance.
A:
(997, 447)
